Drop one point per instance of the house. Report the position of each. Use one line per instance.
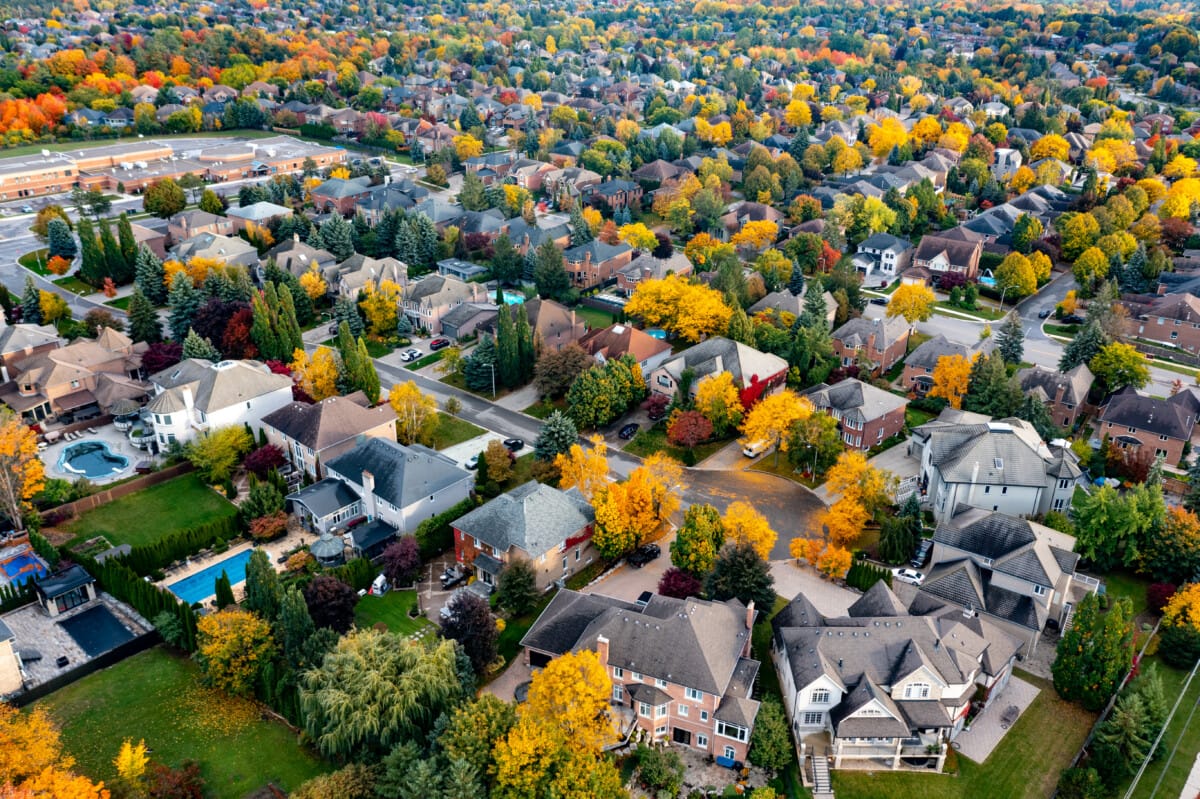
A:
(21, 341)
(11, 679)
(1007, 162)
(380, 479)
(947, 252)
(1172, 320)
(615, 341)
(226, 249)
(681, 668)
(463, 270)
(465, 319)
(785, 301)
(754, 373)
(354, 273)
(1001, 465)
(295, 256)
(744, 212)
(889, 688)
(65, 590)
(554, 325)
(260, 213)
(1014, 572)
(548, 528)
(882, 342)
(647, 267)
(154, 240)
(313, 434)
(595, 263)
(186, 224)
(917, 376)
(340, 194)
(866, 415)
(570, 180)
(429, 299)
(883, 256)
(1131, 421)
(1063, 392)
(195, 397)
(615, 193)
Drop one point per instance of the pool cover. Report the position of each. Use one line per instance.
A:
(96, 630)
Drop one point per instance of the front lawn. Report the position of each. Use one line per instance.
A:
(35, 261)
(158, 697)
(1060, 330)
(1025, 765)
(452, 430)
(915, 417)
(509, 641)
(421, 363)
(654, 439)
(377, 348)
(456, 379)
(784, 468)
(120, 302)
(543, 408)
(74, 285)
(148, 515)
(979, 311)
(391, 609)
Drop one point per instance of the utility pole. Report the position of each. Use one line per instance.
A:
(1154, 747)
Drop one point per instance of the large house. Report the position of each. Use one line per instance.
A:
(311, 435)
(648, 267)
(889, 689)
(680, 667)
(1132, 421)
(953, 251)
(882, 256)
(430, 299)
(866, 415)
(226, 249)
(554, 325)
(21, 341)
(195, 397)
(999, 465)
(754, 373)
(882, 342)
(548, 528)
(1172, 320)
(1063, 392)
(917, 376)
(615, 341)
(595, 263)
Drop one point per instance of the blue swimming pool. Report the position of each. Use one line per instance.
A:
(26, 566)
(201, 585)
(513, 297)
(92, 459)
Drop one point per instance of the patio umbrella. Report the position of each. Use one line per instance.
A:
(124, 407)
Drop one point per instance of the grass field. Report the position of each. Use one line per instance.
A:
(34, 261)
(158, 697)
(1124, 584)
(980, 311)
(74, 285)
(542, 409)
(390, 609)
(782, 467)
(452, 430)
(654, 439)
(1025, 765)
(120, 302)
(595, 318)
(148, 515)
(914, 417)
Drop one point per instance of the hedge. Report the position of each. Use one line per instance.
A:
(177, 546)
(15, 596)
(145, 597)
(357, 573)
(435, 535)
(864, 575)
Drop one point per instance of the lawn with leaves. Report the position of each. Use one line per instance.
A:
(35, 261)
(654, 439)
(158, 697)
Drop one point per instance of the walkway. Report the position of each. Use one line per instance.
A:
(505, 686)
(988, 728)
(1191, 789)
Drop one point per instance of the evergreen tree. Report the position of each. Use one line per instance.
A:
(406, 244)
(262, 327)
(337, 236)
(507, 261)
(295, 629)
(114, 261)
(1192, 499)
(479, 370)
(183, 302)
(31, 303)
(796, 281)
(815, 311)
(290, 334)
(60, 240)
(473, 196)
(508, 367)
(557, 435)
(1094, 654)
(128, 245)
(150, 277)
(990, 390)
(550, 275)
(1037, 414)
(306, 312)
(345, 311)
(1081, 349)
(92, 268)
(264, 595)
(526, 347)
(369, 377)
(1133, 277)
(425, 240)
(741, 329)
(143, 319)
(404, 325)
(224, 592)
(581, 232)
(196, 347)
(529, 269)
(1010, 340)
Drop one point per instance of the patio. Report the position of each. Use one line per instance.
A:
(990, 726)
(118, 443)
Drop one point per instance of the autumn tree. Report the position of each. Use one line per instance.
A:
(742, 524)
(688, 429)
(22, 473)
(699, 540)
(416, 413)
(950, 377)
(1095, 653)
(32, 761)
(556, 370)
(687, 310)
(756, 235)
(164, 198)
(1016, 275)
(1090, 267)
(468, 620)
(1172, 554)
(1180, 630)
(629, 513)
(834, 561)
(585, 469)
(637, 236)
(842, 522)
(1118, 365)
(718, 399)
(234, 645)
(771, 420)
(317, 375)
(913, 301)
(855, 477)
(499, 461)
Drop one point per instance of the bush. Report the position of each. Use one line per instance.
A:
(358, 573)
(434, 535)
(863, 575)
(659, 770)
(270, 527)
(1080, 783)
(177, 546)
(1158, 594)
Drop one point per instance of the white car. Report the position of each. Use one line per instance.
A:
(910, 576)
(410, 355)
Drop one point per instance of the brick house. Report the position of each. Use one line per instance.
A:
(429, 299)
(614, 341)
(866, 415)
(1172, 320)
(549, 528)
(313, 434)
(681, 668)
(1132, 420)
(646, 267)
(592, 264)
(21, 341)
(340, 194)
(953, 251)
(754, 373)
(615, 193)
(186, 224)
(883, 342)
(1063, 392)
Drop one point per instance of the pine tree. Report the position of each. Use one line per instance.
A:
(581, 232)
(406, 244)
(557, 435)
(425, 238)
(264, 595)
(61, 242)
(369, 377)
(796, 281)
(224, 591)
(526, 346)
(551, 277)
(114, 262)
(295, 629)
(338, 237)
(31, 303)
(289, 327)
(1081, 349)
(345, 311)
(262, 329)
(149, 276)
(741, 329)
(196, 347)
(128, 246)
(815, 311)
(183, 302)
(508, 367)
(990, 390)
(143, 319)
(1133, 275)
(1010, 340)
(92, 269)
(478, 368)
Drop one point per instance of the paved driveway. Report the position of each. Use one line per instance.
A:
(788, 506)
(465, 450)
(897, 461)
(791, 579)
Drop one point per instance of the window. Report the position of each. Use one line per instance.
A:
(1059, 503)
(476, 540)
(704, 715)
(166, 419)
(618, 673)
(1064, 483)
(1174, 334)
(692, 693)
(663, 380)
(998, 462)
(987, 489)
(618, 692)
(1160, 452)
(636, 676)
(660, 682)
(1039, 590)
(1162, 438)
(1004, 489)
(643, 709)
(660, 730)
(820, 696)
(576, 554)
(660, 711)
(74, 384)
(1132, 429)
(813, 719)
(564, 563)
(731, 731)
(683, 710)
(730, 752)
(701, 740)
(916, 690)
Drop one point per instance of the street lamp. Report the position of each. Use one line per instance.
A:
(1002, 293)
(492, 368)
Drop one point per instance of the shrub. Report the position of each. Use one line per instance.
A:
(863, 575)
(677, 583)
(267, 528)
(434, 535)
(263, 460)
(1158, 594)
(659, 770)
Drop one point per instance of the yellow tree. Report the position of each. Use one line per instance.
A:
(131, 761)
(805, 548)
(22, 473)
(32, 762)
(950, 378)
(416, 413)
(234, 645)
(638, 236)
(317, 375)
(797, 114)
(687, 310)
(627, 130)
(340, 173)
(593, 218)
(757, 234)
(618, 521)
(467, 146)
(1016, 275)
(380, 305)
(585, 469)
(927, 130)
(572, 693)
(1050, 146)
(842, 521)
(854, 476)
(1022, 180)
(913, 301)
(834, 562)
(772, 419)
(846, 160)
(744, 525)
(719, 400)
(885, 136)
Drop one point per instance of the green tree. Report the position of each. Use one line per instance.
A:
(1086, 344)
(473, 196)
(296, 632)
(194, 346)
(507, 262)
(479, 369)
(699, 540)
(345, 311)
(1094, 654)
(92, 268)
(129, 247)
(771, 743)
(508, 367)
(60, 240)
(211, 202)
(183, 301)
(557, 435)
(815, 443)
(224, 591)
(1112, 527)
(164, 198)
(264, 595)
(897, 537)
(1010, 340)
(114, 261)
(31, 303)
(581, 232)
(516, 590)
(218, 453)
(549, 273)
(473, 729)
(149, 276)
(740, 573)
(1118, 365)
(526, 349)
(143, 319)
(1026, 231)
(337, 236)
(990, 389)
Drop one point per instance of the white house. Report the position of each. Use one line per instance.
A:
(195, 397)
(1007, 162)
(883, 255)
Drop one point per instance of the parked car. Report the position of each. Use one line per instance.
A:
(27, 209)
(643, 555)
(410, 355)
(439, 343)
(1073, 319)
(628, 431)
(514, 444)
(1044, 314)
(755, 448)
(910, 576)
(921, 553)
(658, 414)
(452, 576)
(472, 463)
(333, 329)
(879, 301)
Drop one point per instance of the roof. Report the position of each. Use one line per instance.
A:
(599, 251)
(533, 517)
(718, 354)
(1174, 417)
(337, 188)
(327, 423)
(20, 337)
(1074, 383)
(402, 475)
(858, 332)
(616, 340)
(1017, 547)
(963, 584)
(214, 385)
(927, 354)
(855, 400)
(883, 242)
(63, 581)
(372, 534)
(973, 448)
(259, 211)
(958, 252)
(325, 497)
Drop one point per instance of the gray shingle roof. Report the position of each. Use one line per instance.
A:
(1004, 452)
(856, 400)
(857, 332)
(1174, 417)
(325, 497)
(1075, 383)
(532, 517)
(963, 584)
(926, 355)
(326, 423)
(403, 475)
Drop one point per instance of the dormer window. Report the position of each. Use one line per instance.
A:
(916, 690)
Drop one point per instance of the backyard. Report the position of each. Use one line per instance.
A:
(148, 515)
(1181, 742)
(391, 610)
(158, 697)
(594, 317)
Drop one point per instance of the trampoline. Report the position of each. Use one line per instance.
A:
(96, 630)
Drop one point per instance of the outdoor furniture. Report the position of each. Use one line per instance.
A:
(1009, 716)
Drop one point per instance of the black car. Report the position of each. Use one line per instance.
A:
(1072, 319)
(879, 301)
(1044, 314)
(628, 431)
(452, 576)
(643, 555)
(921, 553)
(513, 444)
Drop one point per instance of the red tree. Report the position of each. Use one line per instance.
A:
(263, 460)
(161, 355)
(677, 583)
(236, 342)
(689, 428)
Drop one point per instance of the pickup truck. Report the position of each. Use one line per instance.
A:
(451, 577)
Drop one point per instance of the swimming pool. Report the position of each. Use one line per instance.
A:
(92, 459)
(22, 567)
(513, 297)
(201, 585)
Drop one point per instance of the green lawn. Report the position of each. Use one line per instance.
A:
(654, 439)
(377, 348)
(456, 379)
(1124, 584)
(392, 610)
(1025, 765)
(914, 417)
(421, 363)
(542, 408)
(120, 302)
(148, 515)
(452, 430)
(36, 260)
(980, 311)
(1060, 330)
(74, 285)
(595, 318)
(509, 641)
(784, 468)
(158, 697)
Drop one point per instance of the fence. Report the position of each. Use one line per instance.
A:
(73, 509)
(109, 658)
(1167, 353)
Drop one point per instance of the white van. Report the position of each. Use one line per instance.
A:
(756, 448)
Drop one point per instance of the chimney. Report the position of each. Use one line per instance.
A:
(602, 650)
(750, 615)
(368, 498)
(296, 237)
(189, 403)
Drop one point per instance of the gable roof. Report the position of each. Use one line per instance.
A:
(973, 448)
(214, 385)
(326, 423)
(857, 332)
(402, 474)
(718, 354)
(1075, 383)
(1174, 417)
(616, 340)
(965, 585)
(1017, 547)
(855, 400)
(927, 354)
(533, 517)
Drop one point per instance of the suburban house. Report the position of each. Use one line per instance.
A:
(1007, 162)
(83, 378)
(615, 341)
(467, 318)
(595, 263)
(340, 194)
(1132, 421)
(195, 397)
(880, 687)
(1015, 572)
(754, 373)
(260, 213)
(1000, 465)
(429, 299)
(784, 301)
(463, 270)
(1172, 320)
(554, 325)
(681, 668)
(64, 590)
(882, 256)
(185, 224)
(646, 267)
(313, 434)
(956, 251)
(882, 342)
(21, 341)
(298, 257)
(380, 479)
(226, 249)
(1063, 392)
(917, 376)
(354, 273)
(548, 528)
(614, 193)
(866, 415)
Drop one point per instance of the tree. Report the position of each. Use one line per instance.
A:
(1090, 267)
(196, 347)
(897, 537)
(474, 728)
(128, 249)
(688, 429)
(1118, 365)
(1172, 553)
(318, 375)
(950, 379)
(1111, 527)
(264, 595)
(313, 284)
(233, 646)
(143, 319)
(23, 475)
(628, 513)
(416, 413)
(1180, 629)
(499, 461)
(1094, 654)
(164, 198)
(913, 301)
(212, 203)
(184, 301)
(149, 276)
(853, 476)
(516, 589)
(698, 540)
(604, 392)
(61, 242)
(1026, 230)
(468, 620)
(549, 272)
(718, 399)
(743, 525)
(33, 763)
(771, 420)
(637, 236)
(990, 388)
(1016, 274)
(572, 693)
(677, 583)
(1010, 340)
(402, 560)
(585, 469)
(92, 267)
(740, 573)
(687, 310)
(555, 438)
(216, 454)
(130, 763)
(375, 690)
(330, 603)
(31, 303)
(770, 743)
(1086, 344)
(379, 306)
(473, 196)
(337, 236)
(815, 443)
(467, 146)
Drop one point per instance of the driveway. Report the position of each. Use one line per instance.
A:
(897, 461)
(463, 452)
(626, 582)
(728, 458)
(792, 579)
(788, 506)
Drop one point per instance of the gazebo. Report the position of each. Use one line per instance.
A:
(329, 550)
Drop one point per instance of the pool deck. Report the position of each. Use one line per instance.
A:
(117, 443)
